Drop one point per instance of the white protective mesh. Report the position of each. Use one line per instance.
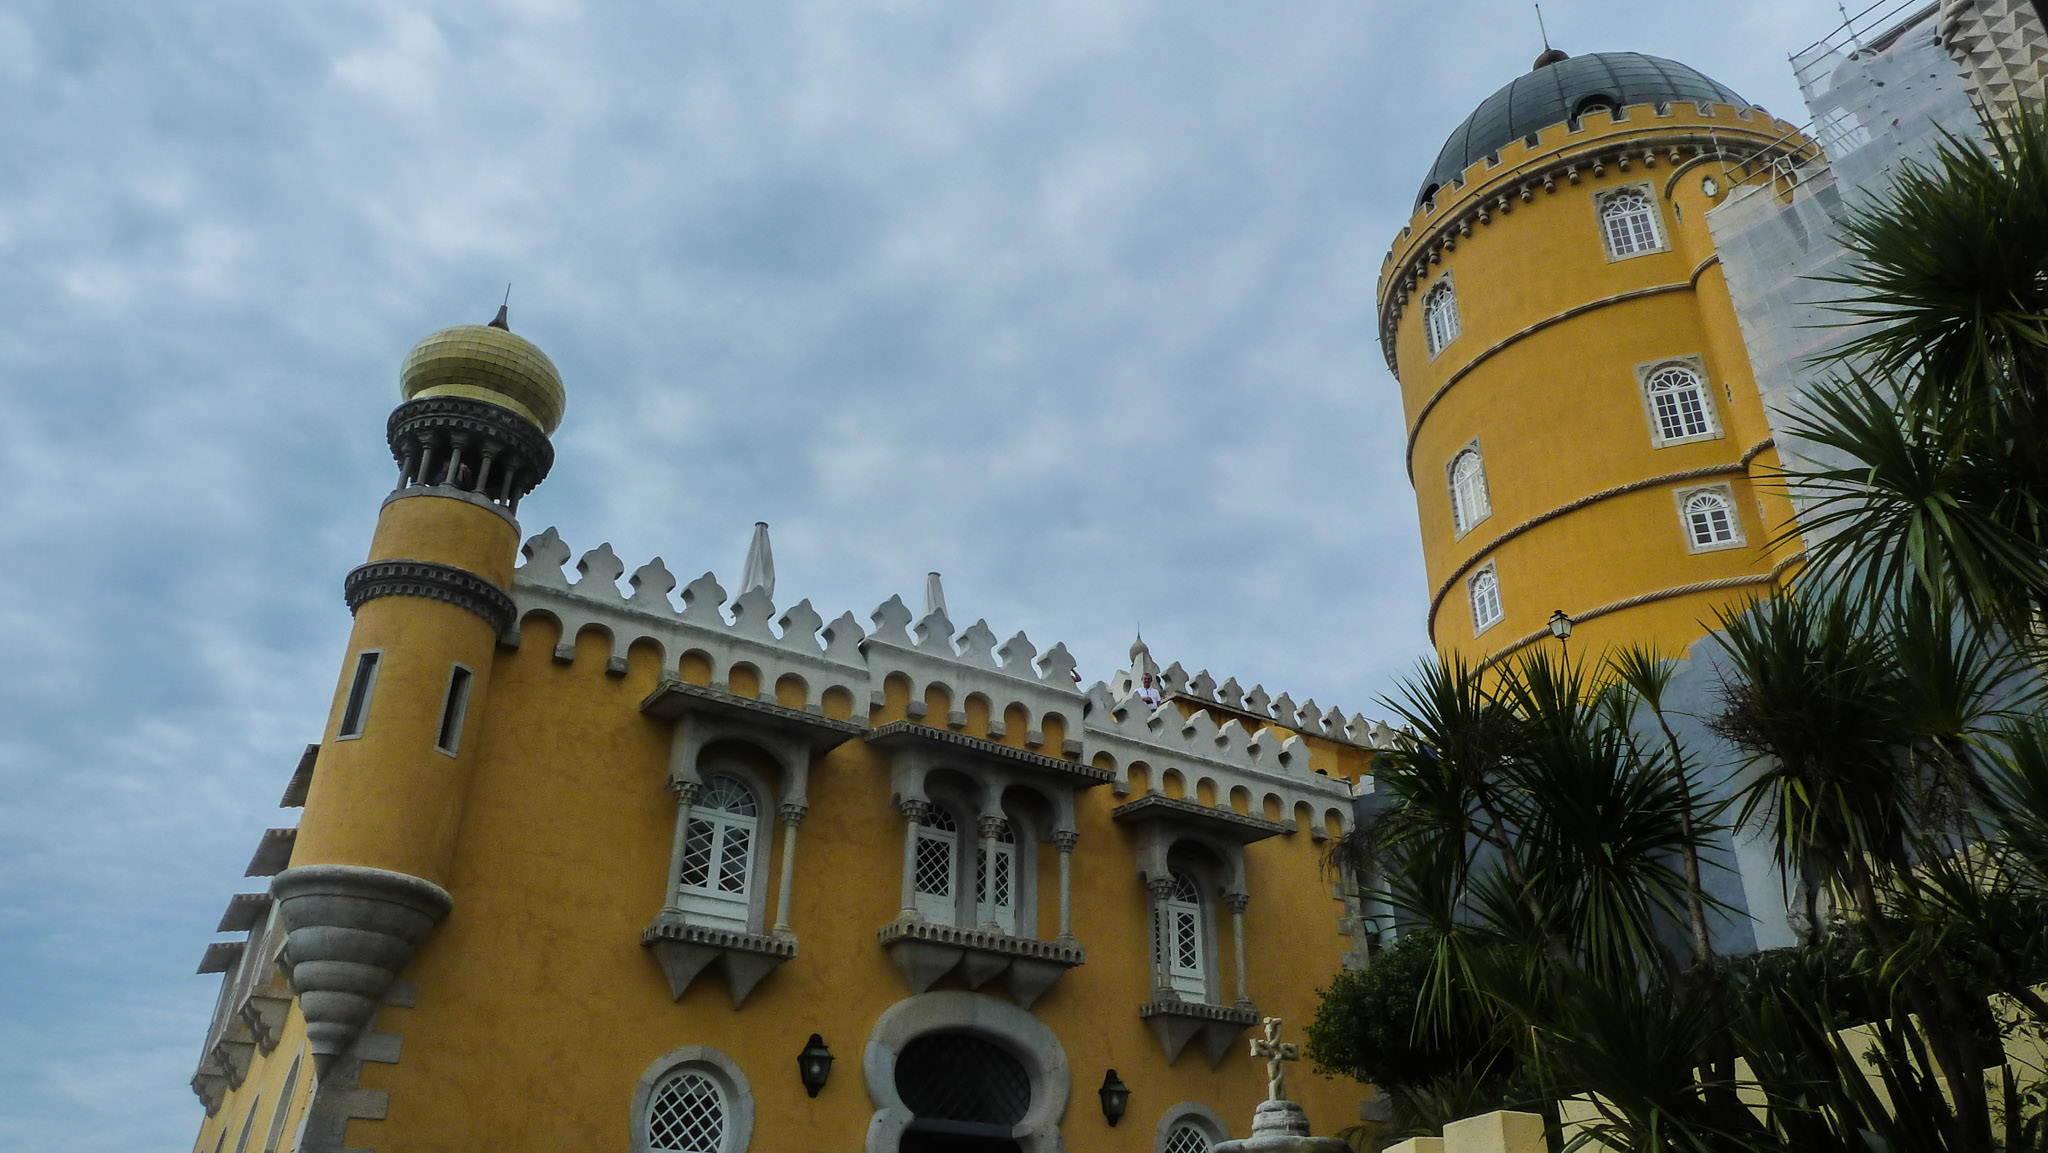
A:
(1186, 1139)
(687, 1115)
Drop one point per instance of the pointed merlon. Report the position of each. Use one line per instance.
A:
(759, 572)
(934, 596)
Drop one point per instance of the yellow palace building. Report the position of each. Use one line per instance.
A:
(646, 868)
(1584, 433)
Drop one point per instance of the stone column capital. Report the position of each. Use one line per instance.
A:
(1160, 887)
(992, 826)
(914, 809)
(1065, 839)
(792, 813)
(685, 791)
(1237, 901)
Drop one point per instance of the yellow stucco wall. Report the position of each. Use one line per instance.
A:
(539, 1009)
(1544, 375)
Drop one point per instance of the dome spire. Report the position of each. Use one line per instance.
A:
(499, 320)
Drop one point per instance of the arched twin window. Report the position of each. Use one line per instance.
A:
(1484, 590)
(1680, 407)
(1440, 316)
(1709, 517)
(718, 855)
(1469, 501)
(1186, 953)
(1628, 222)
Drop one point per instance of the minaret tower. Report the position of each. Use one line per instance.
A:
(366, 884)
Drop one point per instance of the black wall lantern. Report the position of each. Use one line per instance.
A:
(1560, 625)
(814, 1064)
(1116, 1098)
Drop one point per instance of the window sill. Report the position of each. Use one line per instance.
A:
(685, 950)
(1175, 1023)
(924, 952)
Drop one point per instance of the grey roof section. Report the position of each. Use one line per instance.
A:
(302, 779)
(273, 853)
(1552, 94)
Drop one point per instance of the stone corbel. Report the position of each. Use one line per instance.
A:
(264, 1014)
(684, 951)
(923, 953)
(210, 1084)
(1175, 1024)
(349, 931)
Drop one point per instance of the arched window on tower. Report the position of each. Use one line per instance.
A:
(718, 855)
(1187, 960)
(1440, 316)
(1628, 221)
(1680, 408)
(1484, 590)
(1709, 517)
(1469, 502)
(937, 851)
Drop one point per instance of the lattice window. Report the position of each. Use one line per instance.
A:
(1440, 316)
(1484, 588)
(1628, 219)
(995, 895)
(936, 861)
(1469, 501)
(1186, 1139)
(961, 1078)
(1187, 970)
(687, 1115)
(718, 853)
(1709, 519)
(1680, 409)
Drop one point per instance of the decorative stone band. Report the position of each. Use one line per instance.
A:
(1443, 589)
(1175, 1023)
(684, 951)
(1491, 350)
(1685, 590)
(909, 732)
(923, 952)
(349, 931)
(518, 447)
(439, 582)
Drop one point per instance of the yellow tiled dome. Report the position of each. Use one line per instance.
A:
(488, 363)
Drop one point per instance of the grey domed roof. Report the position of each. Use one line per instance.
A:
(1556, 92)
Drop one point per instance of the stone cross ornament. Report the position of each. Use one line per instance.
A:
(1275, 1051)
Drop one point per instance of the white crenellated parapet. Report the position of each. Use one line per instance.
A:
(1008, 676)
(1226, 757)
(1201, 688)
(822, 656)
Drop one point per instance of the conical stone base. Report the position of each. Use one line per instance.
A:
(349, 931)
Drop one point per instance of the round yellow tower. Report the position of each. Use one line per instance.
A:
(365, 887)
(1583, 431)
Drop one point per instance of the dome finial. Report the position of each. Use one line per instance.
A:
(1549, 55)
(499, 320)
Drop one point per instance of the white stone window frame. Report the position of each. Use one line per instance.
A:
(722, 1070)
(1646, 374)
(1185, 909)
(1684, 496)
(1447, 292)
(1660, 240)
(1216, 866)
(965, 799)
(272, 1142)
(249, 1124)
(1490, 573)
(1193, 1115)
(368, 679)
(1460, 522)
(716, 762)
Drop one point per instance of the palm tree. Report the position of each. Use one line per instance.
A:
(1940, 408)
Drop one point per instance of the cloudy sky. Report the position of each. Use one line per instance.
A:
(1071, 301)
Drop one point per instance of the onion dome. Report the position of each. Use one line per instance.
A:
(1560, 88)
(486, 362)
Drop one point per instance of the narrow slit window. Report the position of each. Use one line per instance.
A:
(453, 710)
(358, 707)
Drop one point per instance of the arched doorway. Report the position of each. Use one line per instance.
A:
(967, 1094)
(960, 1072)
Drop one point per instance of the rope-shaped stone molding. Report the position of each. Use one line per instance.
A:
(1471, 562)
(417, 578)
